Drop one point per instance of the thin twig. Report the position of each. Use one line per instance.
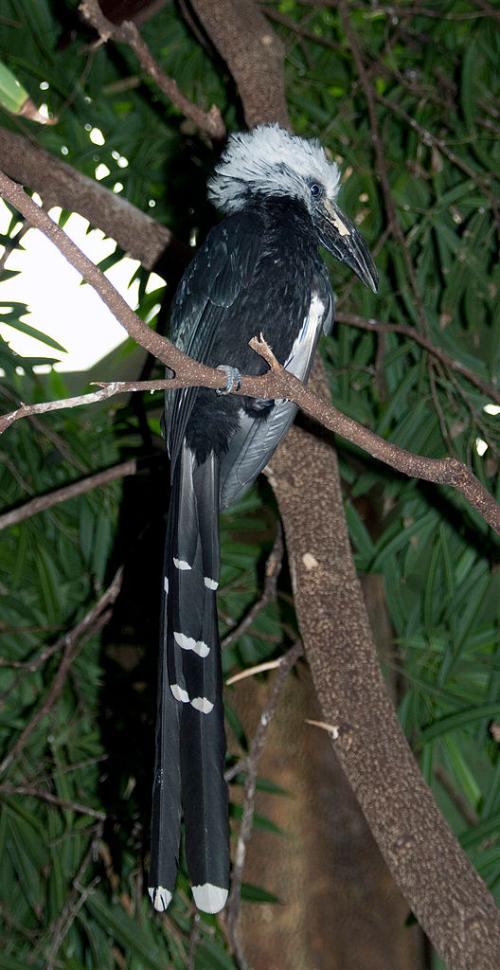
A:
(237, 769)
(467, 813)
(72, 641)
(273, 569)
(254, 754)
(47, 796)
(252, 671)
(194, 939)
(380, 159)
(432, 141)
(352, 319)
(126, 33)
(330, 729)
(43, 502)
(75, 901)
(31, 665)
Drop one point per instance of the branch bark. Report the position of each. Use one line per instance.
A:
(278, 383)
(447, 896)
(253, 54)
(60, 184)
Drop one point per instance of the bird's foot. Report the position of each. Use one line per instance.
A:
(233, 379)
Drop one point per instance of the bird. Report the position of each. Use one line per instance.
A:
(259, 271)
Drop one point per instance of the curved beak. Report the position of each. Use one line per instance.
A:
(340, 236)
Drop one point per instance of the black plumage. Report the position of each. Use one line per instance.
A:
(259, 271)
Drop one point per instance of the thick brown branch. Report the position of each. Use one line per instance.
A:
(60, 184)
(253, 54)
(447, 896)
(47, 501)
(127, 33)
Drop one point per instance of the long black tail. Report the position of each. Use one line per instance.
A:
(190, 739)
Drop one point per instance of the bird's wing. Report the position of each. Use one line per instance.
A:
(222, 269)
(257, 438)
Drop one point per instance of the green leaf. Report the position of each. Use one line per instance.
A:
(460, 719)
(255, 894)
(12, 93)
(22, 327)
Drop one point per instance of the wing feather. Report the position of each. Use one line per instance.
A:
(220, 272)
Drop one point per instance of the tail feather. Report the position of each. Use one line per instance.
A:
(194, 678)
(166, 803)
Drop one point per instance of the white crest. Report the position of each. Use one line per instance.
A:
(268, 160)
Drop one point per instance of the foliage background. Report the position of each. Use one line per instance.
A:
(72, 885)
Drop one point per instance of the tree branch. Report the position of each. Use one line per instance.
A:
(59, 184)
(253, 54)
(126, 33)
(276, 383)
(273, 569)
(252, 764)
(447, 896)
(489, 390)
(72, 640)
(279, 383)
(43, 502)
(46, 796)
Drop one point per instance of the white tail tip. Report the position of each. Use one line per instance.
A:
(160, 898)
(208, 898)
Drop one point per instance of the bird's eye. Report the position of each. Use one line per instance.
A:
(316, 190)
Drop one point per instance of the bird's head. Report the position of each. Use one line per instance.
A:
(269, 162)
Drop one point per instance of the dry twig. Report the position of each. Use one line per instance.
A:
(126, 33)
(489, 390)
(252, 763)
(273, 569)
(43, 502)
(72, 641)
(47, 796)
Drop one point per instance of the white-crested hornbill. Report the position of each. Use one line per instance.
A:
(258, 271)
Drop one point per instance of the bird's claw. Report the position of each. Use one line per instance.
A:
(233, 379)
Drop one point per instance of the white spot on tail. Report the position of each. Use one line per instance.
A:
(189, 643)
(160, 897)
(165, 584)
(209, 898)
(179, 693)
(210, 583)
(205, 706)
(181, 564)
